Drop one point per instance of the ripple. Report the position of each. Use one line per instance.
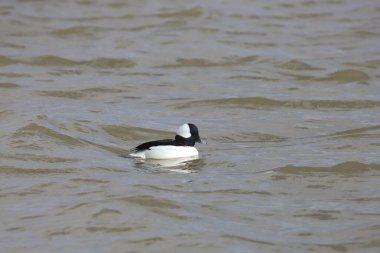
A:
(37, 158)
(231, 191)
(346, 168)
(109, 229)
(83, 31)
(57, 61)
(133, 133)
(15, 75)
(5, 61)
(187, 13)
(4, 113)
(147, 241)
(262, 102)
(358, 132)
(197, 62)
(61, 94)
(318, 214)
(78, 94)
(106, 212)
(218, 191)
(51, 60)
(8, 85)
(245, 137)
(93, 229)
(373, 64)
(340, 77)
(25, 171)
(298, 65)
(313, 15)
(112, 149)
(249, 44)
(246, 239)
(88, 181)
(34, 129)
(104, 90)
(11, 45)
(151, 201)
(347, 76)
(104, 62)
(251, 77)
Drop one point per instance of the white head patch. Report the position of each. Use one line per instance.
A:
(184, 131)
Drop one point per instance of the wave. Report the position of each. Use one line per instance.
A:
(8, 85)
(34, 129)
(350, 167)
(358, 132)
(37, 158)
(253, 77)
(5, 60)
(62, 94)
(34, 136)
(340, 77)
(346, 76)
(186, 13)
(297, 65)
(372, 64)
(83, 31)
(57, 61)
(25, 171)
(244, 137)
(77, 94)
(131, 133)
(197, 62)
(150, 201)
(262, 102)
(91, 229)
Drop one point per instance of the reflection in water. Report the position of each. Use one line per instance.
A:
(180, 165)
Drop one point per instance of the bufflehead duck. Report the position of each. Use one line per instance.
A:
(181, 146)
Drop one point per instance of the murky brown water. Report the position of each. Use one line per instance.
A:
(286, 93)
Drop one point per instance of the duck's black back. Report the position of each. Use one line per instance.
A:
(149, 144)
(179, 141)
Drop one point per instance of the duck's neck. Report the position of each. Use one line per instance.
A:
(180, 141)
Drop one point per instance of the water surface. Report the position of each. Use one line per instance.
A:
(285, 93)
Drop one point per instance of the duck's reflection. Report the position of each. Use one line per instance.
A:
(180, 165)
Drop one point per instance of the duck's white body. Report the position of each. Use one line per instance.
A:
(181, 146)
(167, 152)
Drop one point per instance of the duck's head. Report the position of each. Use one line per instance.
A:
(188, 135)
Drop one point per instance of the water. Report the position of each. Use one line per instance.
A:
(286, 93)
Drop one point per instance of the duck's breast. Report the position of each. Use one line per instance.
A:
(168, 152)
